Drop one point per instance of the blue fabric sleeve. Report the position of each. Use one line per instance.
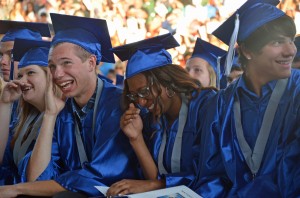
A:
(191, 142)
(52, 170)
(289, 171)
(211, 180)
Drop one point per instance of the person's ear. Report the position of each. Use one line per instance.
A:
(92, 60)
(246, 52)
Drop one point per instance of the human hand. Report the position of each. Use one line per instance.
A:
(129, 186)
(8, 191)
(131, 123)
(12, 91)
(53, 103)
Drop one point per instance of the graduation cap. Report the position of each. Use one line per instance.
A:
(31, 52)
(212, 54)
(208, 52)
(24, 30)
(297, 43)
(146, 54)
(90, 34)
(248, 18)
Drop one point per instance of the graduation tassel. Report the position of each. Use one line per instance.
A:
(231, 51)
(12, 68)
(218, 71)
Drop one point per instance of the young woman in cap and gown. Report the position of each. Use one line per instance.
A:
(205, 64)
(9, 67)
(29, 88)
(164, 106)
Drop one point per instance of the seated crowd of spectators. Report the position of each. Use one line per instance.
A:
(133, 20)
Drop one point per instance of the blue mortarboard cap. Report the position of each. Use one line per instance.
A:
(24, 30)
(212, 54)
(146, 54)
(252, 15)
(208, 52)
(31, 52)
(91, 34)
(297, 43)
(248, 18)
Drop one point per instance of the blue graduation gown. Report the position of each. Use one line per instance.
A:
(8, 169)
(223, 171)
(289, 168)
(110, 156)
(190, 141)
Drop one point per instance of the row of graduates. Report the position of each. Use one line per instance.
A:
(242, 141)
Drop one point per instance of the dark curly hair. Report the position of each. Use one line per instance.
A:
(171, 76)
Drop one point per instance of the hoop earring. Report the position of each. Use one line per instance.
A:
(170, 92)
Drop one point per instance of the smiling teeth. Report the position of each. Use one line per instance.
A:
(26, 89)
(284, 62)
(65, 84)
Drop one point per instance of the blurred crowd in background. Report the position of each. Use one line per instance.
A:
(133, 20)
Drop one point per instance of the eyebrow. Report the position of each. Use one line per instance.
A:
(143, 87)
(278, 36)
(26, 69)
(60, 59)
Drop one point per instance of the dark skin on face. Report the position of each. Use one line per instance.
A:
(171, 104)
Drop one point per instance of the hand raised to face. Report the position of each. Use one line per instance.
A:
(131, 122)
